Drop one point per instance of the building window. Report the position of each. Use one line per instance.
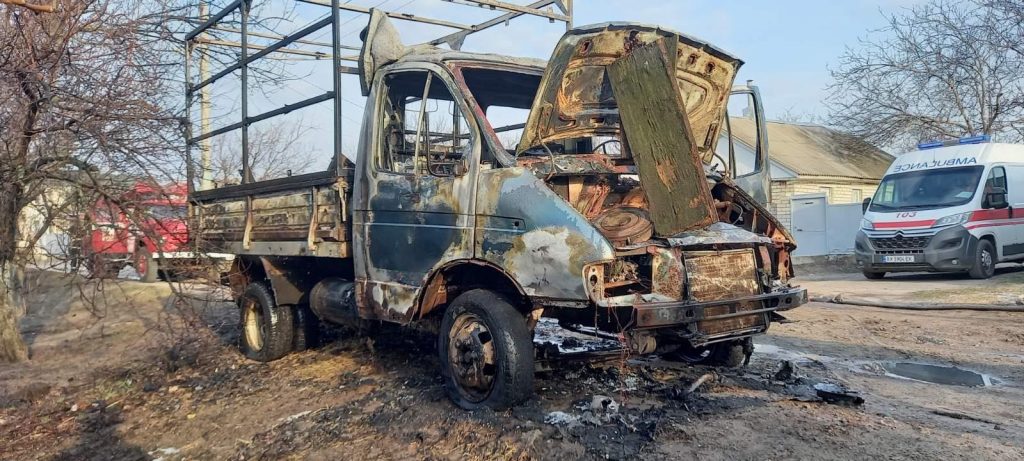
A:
(827, 191)
(857, 195)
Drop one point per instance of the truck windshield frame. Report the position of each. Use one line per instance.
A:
(927, 189)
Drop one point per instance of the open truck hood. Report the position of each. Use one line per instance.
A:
(661, 94)
(576, 98)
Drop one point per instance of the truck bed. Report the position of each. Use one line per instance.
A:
(304, 215)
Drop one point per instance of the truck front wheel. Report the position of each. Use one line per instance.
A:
(731, 354)
(267, 329)
(486, 352)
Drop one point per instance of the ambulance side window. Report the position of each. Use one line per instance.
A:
(997, 178)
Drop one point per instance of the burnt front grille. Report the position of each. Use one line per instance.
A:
(719, 275)
(900, 243)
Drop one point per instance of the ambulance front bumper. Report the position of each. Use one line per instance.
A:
(932, 250)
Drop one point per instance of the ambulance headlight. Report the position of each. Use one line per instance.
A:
(868, 225)
(952, 220)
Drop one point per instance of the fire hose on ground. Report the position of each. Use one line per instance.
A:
(874, 302)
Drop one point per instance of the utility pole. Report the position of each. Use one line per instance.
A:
(205, 146)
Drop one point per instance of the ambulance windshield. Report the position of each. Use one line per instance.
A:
(926, 189)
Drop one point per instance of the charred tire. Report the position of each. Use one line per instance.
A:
(267, 329)
(486, 352)
(99, 267)
(146, 265)
(984, 261)
(732, 354)
(307, 328)
(874, 275)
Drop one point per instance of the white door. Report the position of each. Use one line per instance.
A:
(809, 225)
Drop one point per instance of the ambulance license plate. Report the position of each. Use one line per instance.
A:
(898, 259)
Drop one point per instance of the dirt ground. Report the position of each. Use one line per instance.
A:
(1006, 287)
(148, 375)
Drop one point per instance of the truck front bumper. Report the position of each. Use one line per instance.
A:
(679, 313)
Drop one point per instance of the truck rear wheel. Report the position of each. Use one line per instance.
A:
(267, 329)
(486, 352)
(984, 261)
(307, 328)
(146, 265)
(732, 354)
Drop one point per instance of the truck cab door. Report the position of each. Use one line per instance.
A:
(415, 212)
(743, 143)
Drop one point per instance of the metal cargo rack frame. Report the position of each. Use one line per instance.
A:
(454, 40)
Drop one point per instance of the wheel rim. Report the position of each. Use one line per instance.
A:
(986, 261)
(254, 327)
(141, 265)
(472, 357)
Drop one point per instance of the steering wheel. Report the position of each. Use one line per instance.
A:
(603, 145)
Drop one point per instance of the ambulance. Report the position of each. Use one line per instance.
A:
(953, 206)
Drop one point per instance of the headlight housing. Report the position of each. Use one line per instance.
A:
(952, 220)
(868, 225)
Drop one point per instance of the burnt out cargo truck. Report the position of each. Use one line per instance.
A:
(613, 213)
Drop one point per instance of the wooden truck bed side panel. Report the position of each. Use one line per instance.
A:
(308, 219)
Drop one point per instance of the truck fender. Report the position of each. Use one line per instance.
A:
(456, 277)
(289, 278)
(244, 270)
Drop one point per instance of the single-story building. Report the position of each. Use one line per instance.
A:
(810, 159)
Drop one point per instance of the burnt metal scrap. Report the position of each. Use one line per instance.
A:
(606, 216)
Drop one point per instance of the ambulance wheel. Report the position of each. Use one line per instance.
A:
(984, 261)
(147, 266)
(874, 275)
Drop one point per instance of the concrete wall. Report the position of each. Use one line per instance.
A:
(839, 191)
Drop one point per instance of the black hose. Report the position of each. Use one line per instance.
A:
(871, 302)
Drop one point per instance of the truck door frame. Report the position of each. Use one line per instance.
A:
(396, 242)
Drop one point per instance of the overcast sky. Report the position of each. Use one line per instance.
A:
(787, 46)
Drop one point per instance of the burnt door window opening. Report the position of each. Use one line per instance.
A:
(736, 147)
(424, 129)
(505, 97)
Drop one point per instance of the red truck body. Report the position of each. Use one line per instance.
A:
(145, 227)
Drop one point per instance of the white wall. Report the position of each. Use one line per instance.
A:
(824, 228)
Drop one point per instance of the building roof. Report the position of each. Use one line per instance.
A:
(814, 150)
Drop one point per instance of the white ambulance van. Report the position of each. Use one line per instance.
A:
(948, 207)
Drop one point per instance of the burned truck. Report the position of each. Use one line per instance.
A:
(612, 213)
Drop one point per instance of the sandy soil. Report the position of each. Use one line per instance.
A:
(154, 378)
(1006, 287)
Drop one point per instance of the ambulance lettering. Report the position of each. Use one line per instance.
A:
(936, 164)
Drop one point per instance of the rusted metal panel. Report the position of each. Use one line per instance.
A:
(718, 275)
(383, 46)
(575, 98)
(654, 119)
(306, 221)
(668, 274)
(524, 228)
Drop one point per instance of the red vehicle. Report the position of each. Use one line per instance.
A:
(146, 228)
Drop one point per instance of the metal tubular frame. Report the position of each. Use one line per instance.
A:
(453, 40)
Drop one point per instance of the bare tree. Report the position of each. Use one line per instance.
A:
(273, 152)
(943, 69)
(82, 89)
